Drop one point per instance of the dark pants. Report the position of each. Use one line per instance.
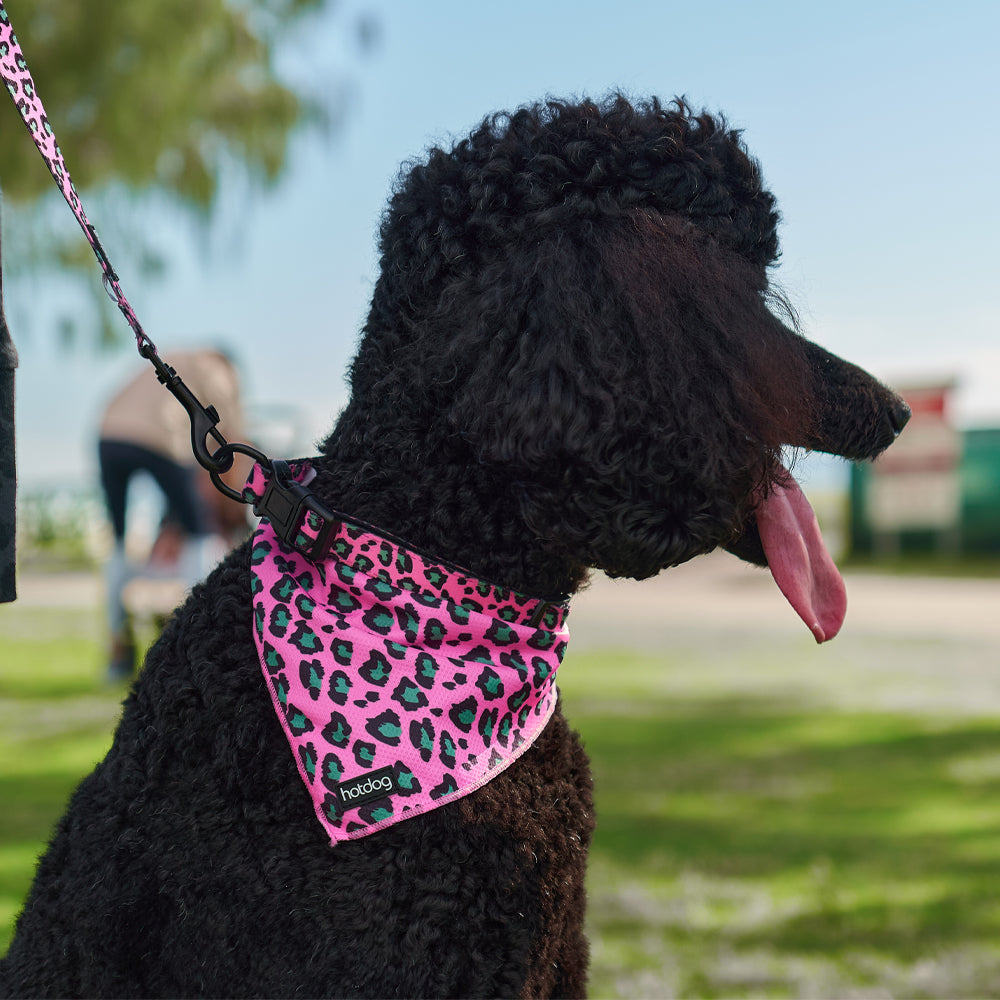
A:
(120, 459)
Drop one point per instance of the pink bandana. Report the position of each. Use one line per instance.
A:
(400, 683)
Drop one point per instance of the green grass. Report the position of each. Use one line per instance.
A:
(56, 720)
(762, 831)
(775, 847)
(934, 564)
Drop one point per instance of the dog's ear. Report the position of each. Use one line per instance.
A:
(546, 383)
(635, 392)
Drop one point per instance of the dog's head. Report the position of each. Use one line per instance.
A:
(577, 297)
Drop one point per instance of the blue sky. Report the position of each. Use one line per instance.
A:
(875, 123)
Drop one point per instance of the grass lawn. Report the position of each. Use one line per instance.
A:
(755, 838)
(56, 720)
(754, 844)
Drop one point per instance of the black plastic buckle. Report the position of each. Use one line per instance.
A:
(285, 503)
(538, 615)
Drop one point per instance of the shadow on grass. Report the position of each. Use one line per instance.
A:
(778, 834)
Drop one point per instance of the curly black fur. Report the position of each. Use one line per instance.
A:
(570, 362)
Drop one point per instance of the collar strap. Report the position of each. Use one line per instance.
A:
(304, 523)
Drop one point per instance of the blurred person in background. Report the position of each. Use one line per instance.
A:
(144, 429)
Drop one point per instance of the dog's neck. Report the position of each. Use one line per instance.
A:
(452, 510)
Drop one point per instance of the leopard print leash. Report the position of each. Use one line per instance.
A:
(285, 500)
(17, 77)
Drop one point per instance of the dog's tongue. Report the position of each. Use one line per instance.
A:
(799, 561)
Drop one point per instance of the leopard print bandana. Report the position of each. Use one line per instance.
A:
(400, 683)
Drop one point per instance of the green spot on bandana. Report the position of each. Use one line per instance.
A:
(517, 699)
(542, 639)
(379, 672)
(408, 693)
(492, 685)
(390, 730)
(487, 729)
(306, 639)
(380, 814)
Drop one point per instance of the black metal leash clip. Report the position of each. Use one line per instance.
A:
(285, 502)
(203, 425)
(203, 418)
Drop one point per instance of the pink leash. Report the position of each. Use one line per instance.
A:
(15, 74)
(17, 77)
(295, 513)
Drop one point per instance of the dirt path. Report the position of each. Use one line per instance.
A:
(720, 592)
(713, 592)
(921, 645)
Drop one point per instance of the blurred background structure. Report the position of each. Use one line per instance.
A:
(939, 491)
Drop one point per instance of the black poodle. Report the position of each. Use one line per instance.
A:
(573, 360)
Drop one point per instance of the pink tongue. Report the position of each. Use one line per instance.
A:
(799, 561)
